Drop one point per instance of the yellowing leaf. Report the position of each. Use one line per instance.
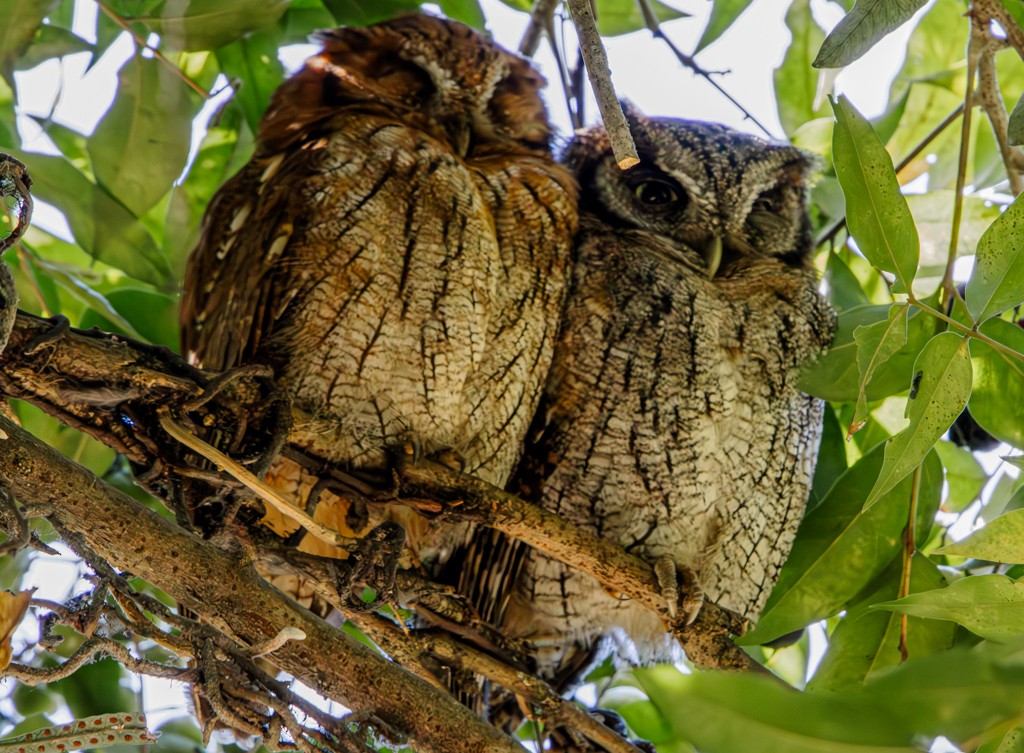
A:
(12, 609)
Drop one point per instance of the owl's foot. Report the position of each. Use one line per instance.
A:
(680, 588)
(373, 565)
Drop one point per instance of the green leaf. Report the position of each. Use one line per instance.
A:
(207, 24)
(796, 84)
(89, 296)
(876, 211)
(96, 689)
(991, 606)
(831, 458)
(841, 547)
(845, 291)
(616, 17)
(1015, 128)
(836, 375)
(941, 387)
(998, 382)
(867, 640)
(228, 144)
(877, 344)
(997, 282)
(101, 225)
(862, 28)
(1000, 540)
(141, 145)
(19, 22)
(964, 475)
(726, 712)
(253, 62)
(1011, 742)
(467, 11)
(364, 12)
(959, 694)
(51, 42)
(723, 14)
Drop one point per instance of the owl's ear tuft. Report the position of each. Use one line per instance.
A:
(802, 169)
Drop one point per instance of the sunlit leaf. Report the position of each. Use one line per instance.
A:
(997, 282)
(723, 14)
(964, 476)
(958, 693)
(140, 146)
(206, 24)
(877, 344)
(941, 387)
(724, 712)
(467, 11)
(836, 375)
(364, 12)
(991, 606)
(796, 84)
(866, 640)
(862, 28)
(876, 211)
(999, 382)
(253, 62)
(20, 20)
(616, 17)
(1015, 128)
(999, 540)
(101, 224)
(841, 547)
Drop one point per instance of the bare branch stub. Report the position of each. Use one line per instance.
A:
(596, 60)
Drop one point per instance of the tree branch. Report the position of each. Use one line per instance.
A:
(228, 594)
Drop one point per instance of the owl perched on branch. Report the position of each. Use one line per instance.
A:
(671, 422)
(397, 250)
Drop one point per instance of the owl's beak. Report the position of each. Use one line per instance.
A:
(712, 252)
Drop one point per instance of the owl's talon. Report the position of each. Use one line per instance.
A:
(680, 589)
(450, 458)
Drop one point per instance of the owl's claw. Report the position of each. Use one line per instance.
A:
(680, 589)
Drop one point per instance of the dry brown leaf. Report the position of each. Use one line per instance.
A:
(12, 609)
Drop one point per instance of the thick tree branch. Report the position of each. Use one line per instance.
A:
(228, 594)
(93, 381)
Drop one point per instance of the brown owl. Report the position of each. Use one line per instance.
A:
(397, 250)
(671, 422)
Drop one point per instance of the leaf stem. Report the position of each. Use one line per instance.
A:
(965, 330)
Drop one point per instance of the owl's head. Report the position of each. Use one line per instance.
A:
(724, 197)
(428, 72)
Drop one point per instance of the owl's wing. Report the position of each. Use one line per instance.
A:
(233, 291)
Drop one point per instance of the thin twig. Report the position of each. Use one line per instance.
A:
(992, 102)
(141, 41)
(688, 61)
(541, 20)
(86, 653)
(596, 60)
(973, 53)
(966, 330)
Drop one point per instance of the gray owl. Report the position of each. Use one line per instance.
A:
(671, 422)
(397, 249)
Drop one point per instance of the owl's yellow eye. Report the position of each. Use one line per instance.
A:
(655, 193)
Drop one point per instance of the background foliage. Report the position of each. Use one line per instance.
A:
(922, 637)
